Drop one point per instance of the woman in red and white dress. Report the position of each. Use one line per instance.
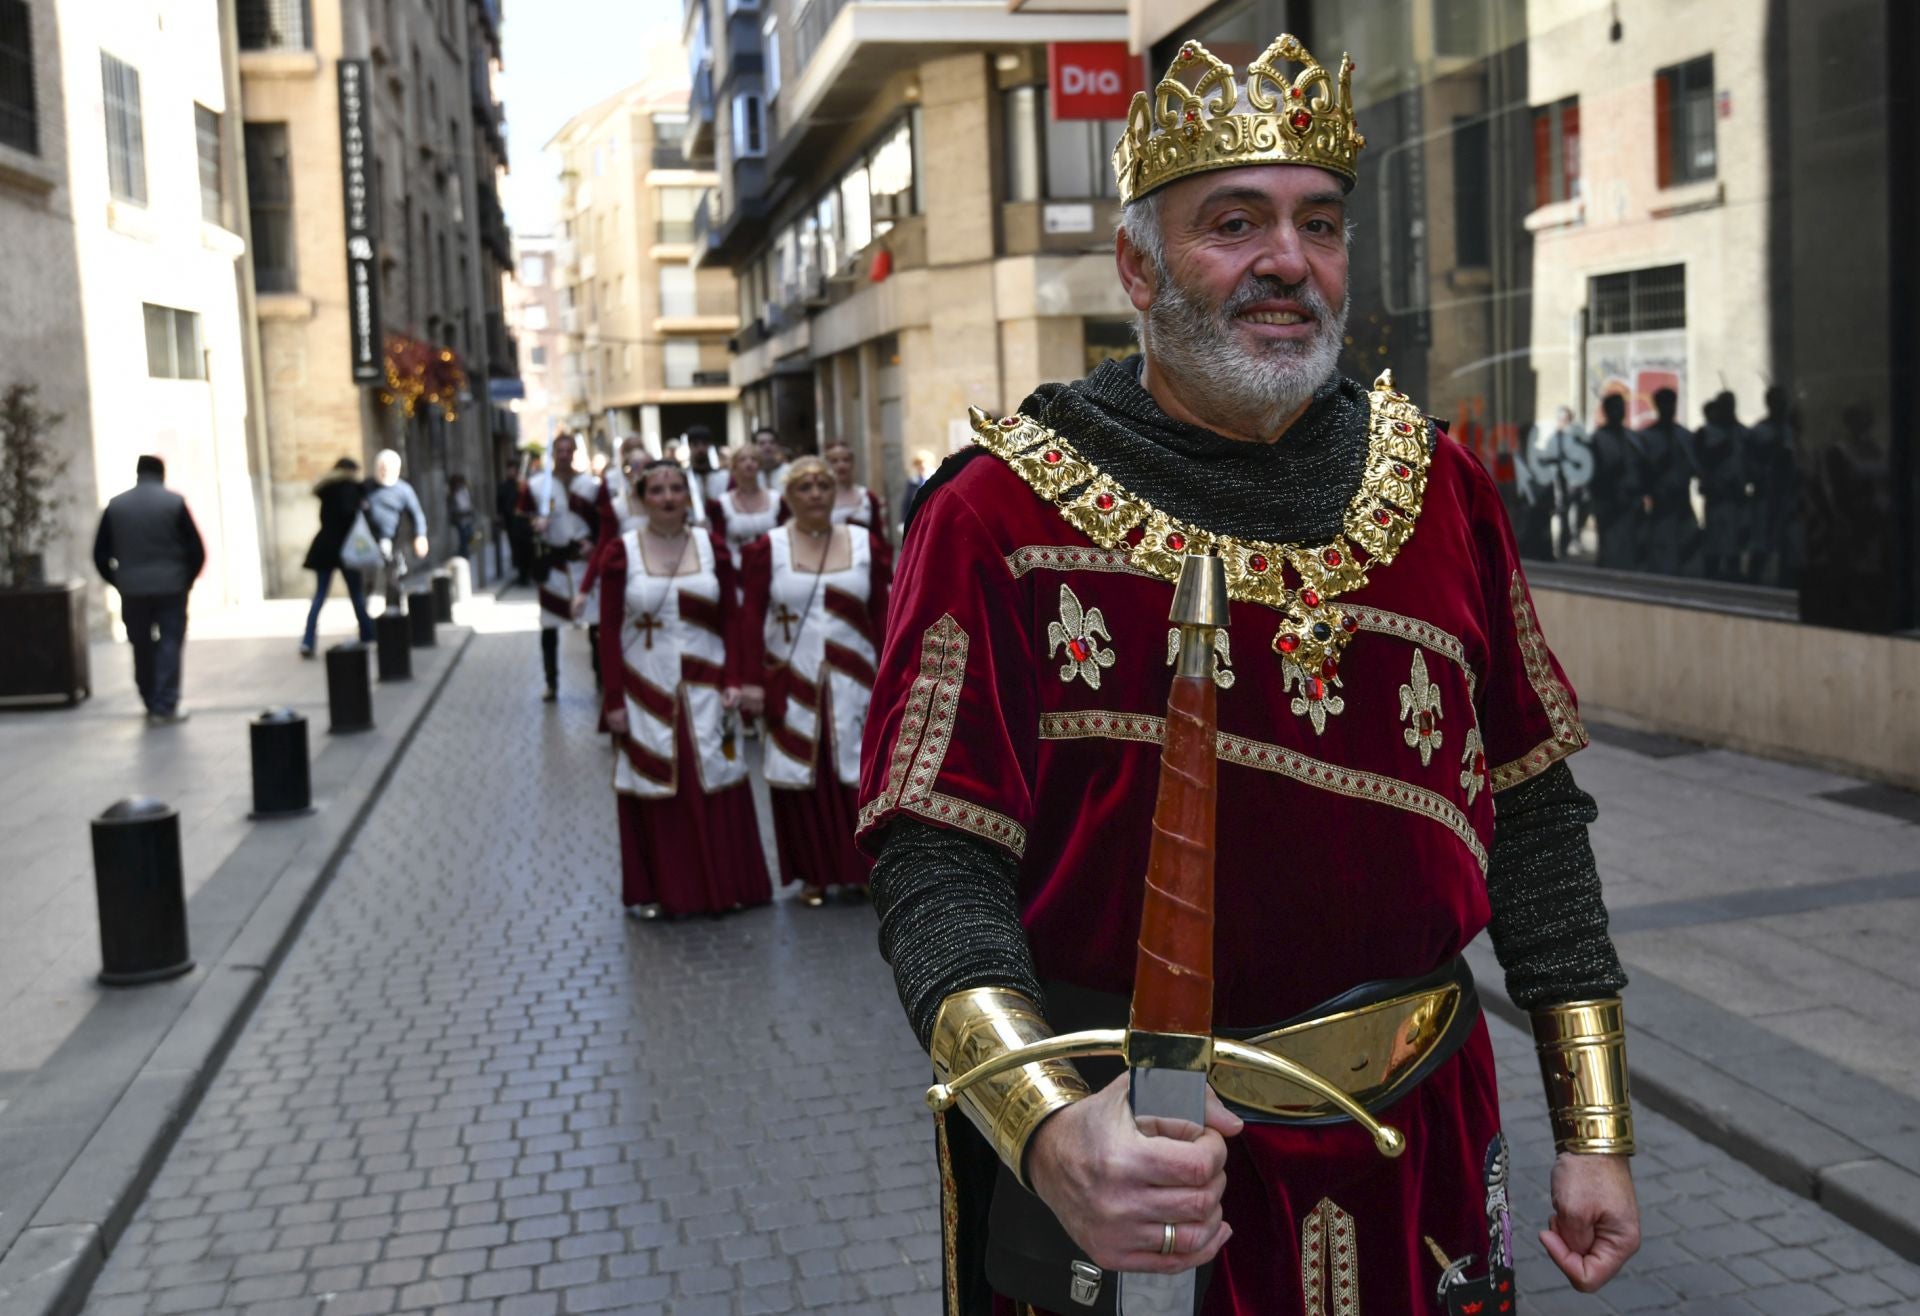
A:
(853, 504)
(816, 602)
(689, 842)
(746, 511)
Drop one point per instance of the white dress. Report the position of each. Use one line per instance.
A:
(563, 506)
(745, 527)
(816, 623)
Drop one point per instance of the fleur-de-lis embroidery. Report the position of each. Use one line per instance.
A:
(1222, 656)
(1473, 765)
(1075, 632)
(1420, 701)
(1315, 700)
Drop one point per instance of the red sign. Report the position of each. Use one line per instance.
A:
(1091, 79)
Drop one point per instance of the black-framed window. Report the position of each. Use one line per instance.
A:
(270, 207)
(19, 111)
(1683, 109)
(173, 343)
(274, 25)
(126, 140)
(206, 132)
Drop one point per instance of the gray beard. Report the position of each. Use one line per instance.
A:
(1228, 385)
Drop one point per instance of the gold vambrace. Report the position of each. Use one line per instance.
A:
(1583, 1060)
(975, 1026)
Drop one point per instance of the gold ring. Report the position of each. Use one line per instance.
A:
(1166, 1241)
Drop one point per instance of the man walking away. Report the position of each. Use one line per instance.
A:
(388, 496)
(149, 549)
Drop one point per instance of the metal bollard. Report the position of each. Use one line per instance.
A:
(420, 619)
(141, 891)
(282, 783)
(349, 693)
(394, 637)
(443, 598)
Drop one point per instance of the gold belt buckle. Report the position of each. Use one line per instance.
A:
(1364, 1051)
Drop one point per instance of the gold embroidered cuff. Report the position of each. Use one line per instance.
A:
(1583, 1060)
(978, 1024)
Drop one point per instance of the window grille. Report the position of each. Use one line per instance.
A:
(126, 148)
(274, 25)
(1638, 301)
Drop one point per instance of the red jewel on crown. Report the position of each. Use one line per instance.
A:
(1186, 52)
(1301, 121)
(1295, 93)
(1190, 116)
(1176, 542)
(1331, 557)
(1257, 563)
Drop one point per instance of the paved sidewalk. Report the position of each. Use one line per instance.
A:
(93, 1081)
(474, 1087)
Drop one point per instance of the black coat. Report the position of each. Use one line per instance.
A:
(340, 499)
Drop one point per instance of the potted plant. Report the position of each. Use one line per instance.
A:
(45, 655)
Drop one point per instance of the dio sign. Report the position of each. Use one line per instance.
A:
(1091, 79)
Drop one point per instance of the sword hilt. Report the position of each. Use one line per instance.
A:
(1387, 1140)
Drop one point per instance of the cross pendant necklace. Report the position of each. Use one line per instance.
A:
(649, 619)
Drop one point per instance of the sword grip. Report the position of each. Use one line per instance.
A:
(1173, 971)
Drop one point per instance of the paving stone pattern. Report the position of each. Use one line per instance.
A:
(476, 1088)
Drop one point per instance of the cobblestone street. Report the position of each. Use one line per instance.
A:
(475, 1087)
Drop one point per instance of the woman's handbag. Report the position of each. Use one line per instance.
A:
(360, 551)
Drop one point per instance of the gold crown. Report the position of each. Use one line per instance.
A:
(1299, 120)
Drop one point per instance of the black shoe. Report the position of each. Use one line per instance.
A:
(552, 695)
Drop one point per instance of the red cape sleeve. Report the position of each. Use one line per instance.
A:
(756, 583)
(611, 563)
(953, 733)
(1529, 717)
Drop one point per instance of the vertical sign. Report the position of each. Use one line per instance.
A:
(356, 162)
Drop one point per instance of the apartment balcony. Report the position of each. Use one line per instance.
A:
(494, 234)
(487, 114)
(697, 145)
(503, 350)
(746, 51)
(490, 19)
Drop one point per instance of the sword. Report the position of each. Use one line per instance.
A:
(1169, 1045)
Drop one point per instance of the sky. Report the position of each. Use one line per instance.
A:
(559, 57)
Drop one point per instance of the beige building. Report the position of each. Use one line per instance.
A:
(121, 201)
(438, 247)
(533, 315)
(646, 334)
(937, 241)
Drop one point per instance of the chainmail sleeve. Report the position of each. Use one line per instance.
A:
(1549, 922)
(949, 919)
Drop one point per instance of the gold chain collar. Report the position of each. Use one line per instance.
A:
(1378, 521)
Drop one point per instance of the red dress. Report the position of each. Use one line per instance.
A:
(689, 840)
(811, 640)
(1021, 696)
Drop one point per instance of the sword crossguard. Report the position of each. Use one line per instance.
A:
(1387, 1140)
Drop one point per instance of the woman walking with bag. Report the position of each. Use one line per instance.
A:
(816, 601)
(344, 543)
(689, 842)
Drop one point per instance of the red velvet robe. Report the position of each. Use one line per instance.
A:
(1346, 854)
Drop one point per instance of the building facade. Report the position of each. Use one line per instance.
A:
(645, 332)
(406, 358)
(533, 316)
(1695, 207)
(912, 230)
(124, 209)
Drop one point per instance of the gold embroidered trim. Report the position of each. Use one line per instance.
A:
(920, 749)
(1263, 757)
(1069, 557)
(1378, 522)
(1329, 1261)
(1382, 622)
(1568, 734)
(949, 1216)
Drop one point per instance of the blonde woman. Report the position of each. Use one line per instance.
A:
(815, 608)
(748, 510)
(853, 503)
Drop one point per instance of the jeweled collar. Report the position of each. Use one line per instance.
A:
(1300, 581)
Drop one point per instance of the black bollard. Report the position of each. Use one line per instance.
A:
(349, 693)
(141, 891)
(443, 598)
(395, 639)
(282, 785)
(420, 619)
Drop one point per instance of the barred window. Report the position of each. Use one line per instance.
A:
(270, 207)
(206, 125)
(19, 114)
(273, 25)
(1639, 301)
(126, 145)
(173, 343)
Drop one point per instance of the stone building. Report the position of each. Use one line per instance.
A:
(436, 249)
(124, 211)
(646, 332)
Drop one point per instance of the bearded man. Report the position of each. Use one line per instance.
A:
(1387, 694)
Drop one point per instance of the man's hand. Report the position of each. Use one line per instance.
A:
(420, 546)
(617, 721)
(1596, 1218)
(1115, 1182)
